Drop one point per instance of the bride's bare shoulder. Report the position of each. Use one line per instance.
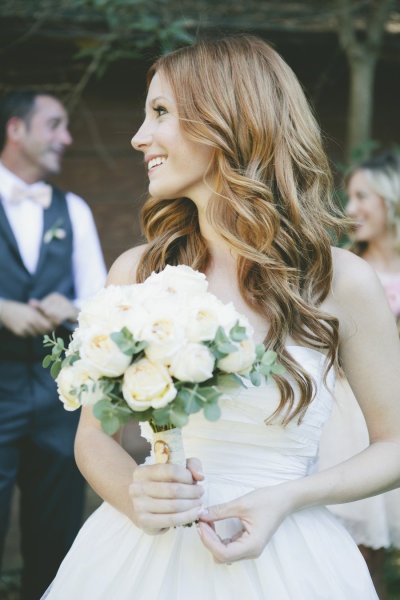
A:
(123, 270)
(350, 272)
(355, 286)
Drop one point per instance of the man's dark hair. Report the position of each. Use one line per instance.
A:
(18, 103)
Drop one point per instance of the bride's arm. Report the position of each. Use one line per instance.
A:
(106, 466)
(154, 497)
(370, 353)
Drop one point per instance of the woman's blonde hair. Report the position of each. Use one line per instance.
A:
(382, 171)
(272, 204)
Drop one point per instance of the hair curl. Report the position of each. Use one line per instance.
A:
(273, 202)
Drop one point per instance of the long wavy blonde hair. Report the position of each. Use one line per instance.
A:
(272, 204)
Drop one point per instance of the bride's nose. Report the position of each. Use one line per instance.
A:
(141, 139)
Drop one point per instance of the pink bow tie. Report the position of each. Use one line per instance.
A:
(41, 194)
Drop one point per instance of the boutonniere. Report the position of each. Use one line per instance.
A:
(55, 232)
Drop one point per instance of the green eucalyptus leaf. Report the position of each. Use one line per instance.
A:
(209, 394)
(101, 407)
(238, 333)
(47, 361)
(226, 348)
(265, 370)
(212, 412)
(260, 351)
(110, 424)
(178, 418)
(228, 381)
(161, 416)
(143, 415)
(269, 358)
(278, 369)
(55, 369)
(255, 378)
(188, 400)
(56, 351)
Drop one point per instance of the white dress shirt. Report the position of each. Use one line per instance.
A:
(26, 221)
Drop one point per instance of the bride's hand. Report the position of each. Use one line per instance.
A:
(166, 495)
(260, 513)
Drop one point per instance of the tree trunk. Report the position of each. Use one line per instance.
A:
(361, 30)
(361, 100)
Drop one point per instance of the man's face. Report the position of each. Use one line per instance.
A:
(45, 136)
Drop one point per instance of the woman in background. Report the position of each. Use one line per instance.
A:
(373, 190)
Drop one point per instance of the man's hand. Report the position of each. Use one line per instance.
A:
(24, 320)
(56, 308)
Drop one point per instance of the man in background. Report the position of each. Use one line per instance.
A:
(50, 260)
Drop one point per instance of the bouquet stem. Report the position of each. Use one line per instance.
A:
(168, 446)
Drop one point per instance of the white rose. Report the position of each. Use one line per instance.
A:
(180, 279)
(205, 315)
(165, 335)
(194, 363)
(229, 317)
(77, 385)
(99, 350)
(146, 385)
(109, 308)
(241, 360)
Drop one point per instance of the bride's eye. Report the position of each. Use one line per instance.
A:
(160, 110)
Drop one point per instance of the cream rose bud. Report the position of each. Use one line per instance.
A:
(241, 360)
(194, 363)
(146, 384)
(77, 385)
(100, 351)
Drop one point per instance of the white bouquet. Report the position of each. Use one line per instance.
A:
(156, 351)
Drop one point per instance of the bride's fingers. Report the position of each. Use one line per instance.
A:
(218, 512)
(154, 522)
(165, 490)
(146, 504)
(196, 469)
(226, 550)
(162, 472)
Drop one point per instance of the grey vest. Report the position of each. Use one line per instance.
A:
(54, 273)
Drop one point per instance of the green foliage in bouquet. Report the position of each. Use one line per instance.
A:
(113, 411)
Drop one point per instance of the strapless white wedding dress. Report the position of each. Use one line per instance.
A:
(310, 557)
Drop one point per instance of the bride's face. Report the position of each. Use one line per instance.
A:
(176, 165)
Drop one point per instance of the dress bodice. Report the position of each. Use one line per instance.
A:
(241, 443)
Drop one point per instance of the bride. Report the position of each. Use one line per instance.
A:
(240, 189)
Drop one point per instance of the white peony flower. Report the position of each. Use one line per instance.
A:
(193, 363)
(78, 385)
(109, 308)
(228, 317)
(241, 360)
(99, 350)
(165, 335)
(146, 384)
(180, 280)
(205, 315)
